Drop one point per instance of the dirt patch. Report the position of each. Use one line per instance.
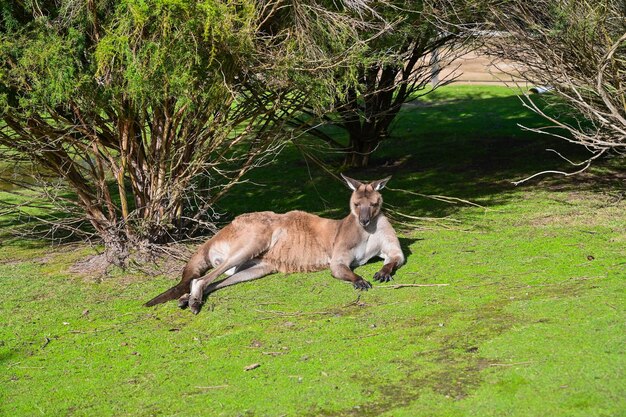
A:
(165, 260)
(92, 266)
(583, 209)
(455, 369)
(456, 365)
(477, 68)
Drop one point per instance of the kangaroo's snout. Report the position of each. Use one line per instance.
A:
(364, 216)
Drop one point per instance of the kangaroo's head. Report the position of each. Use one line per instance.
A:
(366, 201)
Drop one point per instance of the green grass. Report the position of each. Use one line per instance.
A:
(531, 322)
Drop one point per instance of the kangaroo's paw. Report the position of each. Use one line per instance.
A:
(195, 304)
(382, 276)
(183, 301)
(361, 284)
(195, 296)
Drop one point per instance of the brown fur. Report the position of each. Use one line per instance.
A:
(260, 243)
(305, 243)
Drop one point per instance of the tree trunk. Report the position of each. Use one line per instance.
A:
(367, 120)
(361, 145)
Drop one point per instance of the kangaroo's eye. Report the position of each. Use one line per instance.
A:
(375, 204)
(356, 204)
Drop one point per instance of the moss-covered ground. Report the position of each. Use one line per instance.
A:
(530, 321)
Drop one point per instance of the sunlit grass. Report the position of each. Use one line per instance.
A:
(530, 322)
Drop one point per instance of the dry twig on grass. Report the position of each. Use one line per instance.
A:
(396, 286)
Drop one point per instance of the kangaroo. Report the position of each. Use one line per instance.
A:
(257, 244)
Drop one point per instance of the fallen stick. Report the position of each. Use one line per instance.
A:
(251, 367)
(396, 286)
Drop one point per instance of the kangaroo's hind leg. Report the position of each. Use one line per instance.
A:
(257, 268)
(235, 255)
(249, 271)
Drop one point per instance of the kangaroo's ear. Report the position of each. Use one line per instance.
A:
(352, 183)
(380, 184)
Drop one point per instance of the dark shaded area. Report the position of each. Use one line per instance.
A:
(19, 226)
(470, 148)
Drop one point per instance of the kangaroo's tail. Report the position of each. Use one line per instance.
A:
(171, 294)
(197, 265)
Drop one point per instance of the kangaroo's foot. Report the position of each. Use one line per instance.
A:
(183, 301)
(195, 304)
(195, 296)
(361, 284)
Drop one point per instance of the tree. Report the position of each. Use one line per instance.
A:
(400, 64)
(142, 114)
(577, 49)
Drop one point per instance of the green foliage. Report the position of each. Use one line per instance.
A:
(530, 323)
(150, 111)
(143, 51)
(191, 46)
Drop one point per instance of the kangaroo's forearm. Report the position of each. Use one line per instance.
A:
(341, 271)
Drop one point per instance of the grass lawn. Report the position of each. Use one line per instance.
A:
(530, 321)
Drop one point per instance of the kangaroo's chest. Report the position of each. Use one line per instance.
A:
(366, 249)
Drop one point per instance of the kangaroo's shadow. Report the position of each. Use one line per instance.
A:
(405, 244)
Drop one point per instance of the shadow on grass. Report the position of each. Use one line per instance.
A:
(470, 148)
(39, 230)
